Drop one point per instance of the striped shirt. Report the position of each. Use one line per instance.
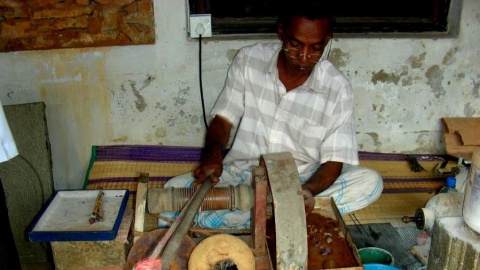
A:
(314, 122)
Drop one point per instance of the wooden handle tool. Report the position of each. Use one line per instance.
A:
(97, 214)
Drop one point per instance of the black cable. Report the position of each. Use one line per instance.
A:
(200, 79)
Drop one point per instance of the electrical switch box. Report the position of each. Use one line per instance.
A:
(200, 24)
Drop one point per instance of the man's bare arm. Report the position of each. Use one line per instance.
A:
(216, 140)
(322, 179)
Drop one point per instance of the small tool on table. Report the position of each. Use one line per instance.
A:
(97, 214)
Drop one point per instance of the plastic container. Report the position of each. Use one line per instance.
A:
(462, 177)
(375, 255)
(471, 204)
(440, 205)
(378, 266)
(450, 183)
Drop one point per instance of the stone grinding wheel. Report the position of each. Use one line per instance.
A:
(291, 246)
(218, 248)
(147, 242)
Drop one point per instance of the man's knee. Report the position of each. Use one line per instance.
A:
(374, 183)
(370, 183)
(367, 185)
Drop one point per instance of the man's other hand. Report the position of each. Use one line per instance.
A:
(308, 200)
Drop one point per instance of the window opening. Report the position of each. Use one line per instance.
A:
(367, 16)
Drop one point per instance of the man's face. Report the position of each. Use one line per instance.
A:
(304, 41)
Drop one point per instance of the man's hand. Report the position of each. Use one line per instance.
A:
(216, 141)
(212, 167)
(323, 178)
(199, 181)
(308, 200)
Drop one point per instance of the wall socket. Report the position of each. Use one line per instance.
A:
(200, 24)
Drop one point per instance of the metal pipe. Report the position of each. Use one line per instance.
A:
(168, 246)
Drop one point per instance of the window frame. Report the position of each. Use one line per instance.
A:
(439, 24)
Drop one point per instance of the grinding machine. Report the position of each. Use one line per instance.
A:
(276, 197)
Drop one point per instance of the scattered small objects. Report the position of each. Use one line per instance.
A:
(422, 238)
(422, 249)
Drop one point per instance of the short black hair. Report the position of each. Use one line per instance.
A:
(312, 9)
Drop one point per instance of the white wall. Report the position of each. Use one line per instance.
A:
(150, 94)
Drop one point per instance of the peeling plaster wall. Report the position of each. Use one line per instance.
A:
(149, 94)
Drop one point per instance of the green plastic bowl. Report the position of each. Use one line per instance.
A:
(375, 255)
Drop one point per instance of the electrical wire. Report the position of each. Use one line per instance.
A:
(200, 79)
(329, 48)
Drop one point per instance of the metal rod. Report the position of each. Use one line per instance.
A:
(361, 225)
(356, 225)
(172, 240)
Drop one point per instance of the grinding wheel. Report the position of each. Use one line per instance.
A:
(291, 247)
(147, 242)
(220, 249)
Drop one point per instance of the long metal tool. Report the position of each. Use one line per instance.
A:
(97, 213)
(168, 246)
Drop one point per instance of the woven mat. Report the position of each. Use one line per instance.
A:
(389, 208)
(119, 167)
(398, 176)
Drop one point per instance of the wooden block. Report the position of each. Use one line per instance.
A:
(69, 255)
(141, 204)
(461, 136)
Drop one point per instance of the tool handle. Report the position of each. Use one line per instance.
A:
(170, 243)
(97, 209)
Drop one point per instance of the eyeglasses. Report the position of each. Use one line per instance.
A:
(312, 58)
